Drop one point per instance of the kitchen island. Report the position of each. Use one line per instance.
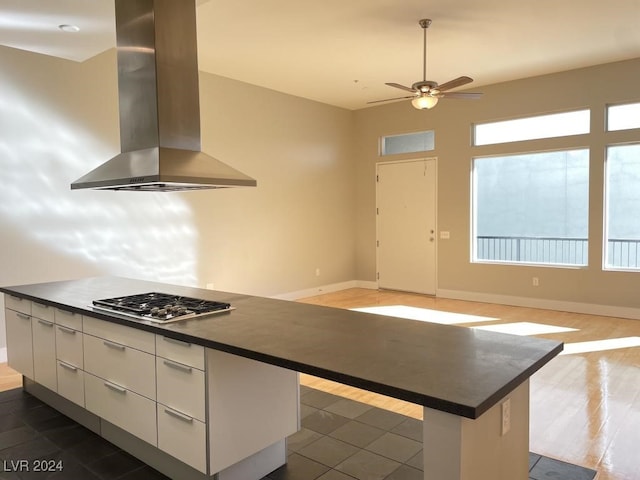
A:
(473, 384)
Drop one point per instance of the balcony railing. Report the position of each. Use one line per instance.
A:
(621, 253)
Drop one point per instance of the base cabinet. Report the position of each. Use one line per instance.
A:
(71, 382)
(182, 437)
(44, 353)
(124, 408)
(19, 337)
(213, 412)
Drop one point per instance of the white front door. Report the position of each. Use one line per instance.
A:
(406, 225)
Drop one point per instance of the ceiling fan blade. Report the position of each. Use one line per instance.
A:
(390, 99)
(401, 87)
(457, 82)
(468, 95)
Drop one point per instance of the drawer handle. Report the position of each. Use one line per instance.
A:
(23, 316)
(66, 330)
(178, 366)
(67, 366)
(115, 388)
(46, 324)
(177, 342)
(178, 415)
(66, 312)
(41, 305)
(115, 346)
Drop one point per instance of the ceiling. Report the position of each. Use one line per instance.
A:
(341, 52)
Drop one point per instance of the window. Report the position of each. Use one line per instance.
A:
(623, 117)
(408, 143)
(622, 245)
(530, 128)
(532, 208)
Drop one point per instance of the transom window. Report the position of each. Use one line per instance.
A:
(408, 143)
(530, 128)
(623, 117)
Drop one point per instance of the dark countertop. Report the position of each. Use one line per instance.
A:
(458, 370)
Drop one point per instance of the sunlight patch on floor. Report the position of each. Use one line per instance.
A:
(526, 328)
(600, 345)
(424, 314)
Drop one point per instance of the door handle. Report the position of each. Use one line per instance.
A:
(115, 346)
(178, 415)
(67, 366)
(178, 366)
(115, 388)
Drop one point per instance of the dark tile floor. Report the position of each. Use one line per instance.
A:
(340, 439)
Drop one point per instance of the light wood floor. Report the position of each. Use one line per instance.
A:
(585, 407)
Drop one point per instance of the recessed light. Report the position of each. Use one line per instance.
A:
(69, 28)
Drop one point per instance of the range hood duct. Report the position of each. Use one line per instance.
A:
(159, 105)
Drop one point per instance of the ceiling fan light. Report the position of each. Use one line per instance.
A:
(424, 102)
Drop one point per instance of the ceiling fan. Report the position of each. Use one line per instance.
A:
(426, 93)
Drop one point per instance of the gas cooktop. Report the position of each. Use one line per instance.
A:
(160, 307)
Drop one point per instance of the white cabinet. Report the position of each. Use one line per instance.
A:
(120, 364)
(71, 382)
(183, 437)
(19, 335)
(69, 354)
(68, 319)
(182, 431)
(44, 353)
(206, 408)
(120, 376)
(44, 346)
(122, 407)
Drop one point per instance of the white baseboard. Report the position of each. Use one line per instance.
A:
(334, 287)
(543, 303)
(3, 355)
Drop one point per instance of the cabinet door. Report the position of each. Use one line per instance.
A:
(181, 387)
(182, 437)
(122, 365)
(19, 342)
(71, 382)
(44, 353)
(69, 346)
(122, 407)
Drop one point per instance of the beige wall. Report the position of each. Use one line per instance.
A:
(315, 201)
(58, 120)
(585, 88)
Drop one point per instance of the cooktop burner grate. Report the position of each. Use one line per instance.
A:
(160, 307)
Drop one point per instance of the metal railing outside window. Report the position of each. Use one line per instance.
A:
(622, 253)
(546, 250)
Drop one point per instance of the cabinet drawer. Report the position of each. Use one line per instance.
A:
(122, 407)
(68, 319)
(40, 310)
(181, 387)
(121, 334)
(44, 353)
(126, 366)
(182, 437)
(17, 304)
(19, 341)
(71, 382)
(69, 346)
(179, 351)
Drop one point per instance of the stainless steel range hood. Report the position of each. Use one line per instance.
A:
(159, 105)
